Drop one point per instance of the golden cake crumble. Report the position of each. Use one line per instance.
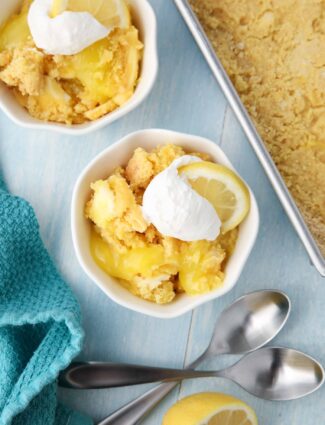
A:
(69, 89)
(274, 52)
(150, 265)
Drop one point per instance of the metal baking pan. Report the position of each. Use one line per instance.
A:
(254, 138)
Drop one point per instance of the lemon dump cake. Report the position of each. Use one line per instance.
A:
(156, 265)
(89, 79)
(274, 52)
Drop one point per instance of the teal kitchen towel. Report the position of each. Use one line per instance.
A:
(40, 331)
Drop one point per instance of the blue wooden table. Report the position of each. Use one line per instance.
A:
(43, 167)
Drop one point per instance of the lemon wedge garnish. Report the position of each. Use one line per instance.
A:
(58, 6)
(222, 188)
(210, 409)
(110, 13)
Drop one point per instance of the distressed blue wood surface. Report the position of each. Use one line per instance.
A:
(43, 167)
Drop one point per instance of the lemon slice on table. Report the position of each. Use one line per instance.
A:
(110, 13)
(222, 188)
(210, 409)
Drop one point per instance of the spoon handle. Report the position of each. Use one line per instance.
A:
(133, 412)
(109, 375)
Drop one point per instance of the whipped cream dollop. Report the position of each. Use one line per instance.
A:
(176, 209)
(66, 34)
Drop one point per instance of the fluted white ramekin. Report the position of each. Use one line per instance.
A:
(101, 167)
(145, 20)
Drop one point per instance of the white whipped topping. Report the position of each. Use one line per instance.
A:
(177, 210)
(66, 34)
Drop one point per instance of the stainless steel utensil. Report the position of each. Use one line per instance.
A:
(269, 373)
(249, 323)
(254, 138)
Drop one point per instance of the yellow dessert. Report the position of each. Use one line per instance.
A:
(149, 264)
(274, 52)
(210, 409)
(69, 89)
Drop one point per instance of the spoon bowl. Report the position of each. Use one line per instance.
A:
(250, 323)
(277, 374)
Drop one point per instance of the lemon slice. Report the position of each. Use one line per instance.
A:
(222, 188)
(110, 13)
(210, 409)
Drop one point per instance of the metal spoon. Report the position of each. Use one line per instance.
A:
(269, 373)
(249, 323)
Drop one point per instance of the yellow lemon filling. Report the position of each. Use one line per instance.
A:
(151, 265)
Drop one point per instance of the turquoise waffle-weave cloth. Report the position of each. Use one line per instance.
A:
(40, 330)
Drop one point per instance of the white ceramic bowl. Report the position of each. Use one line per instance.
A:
(101, 167)
(145, 21)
